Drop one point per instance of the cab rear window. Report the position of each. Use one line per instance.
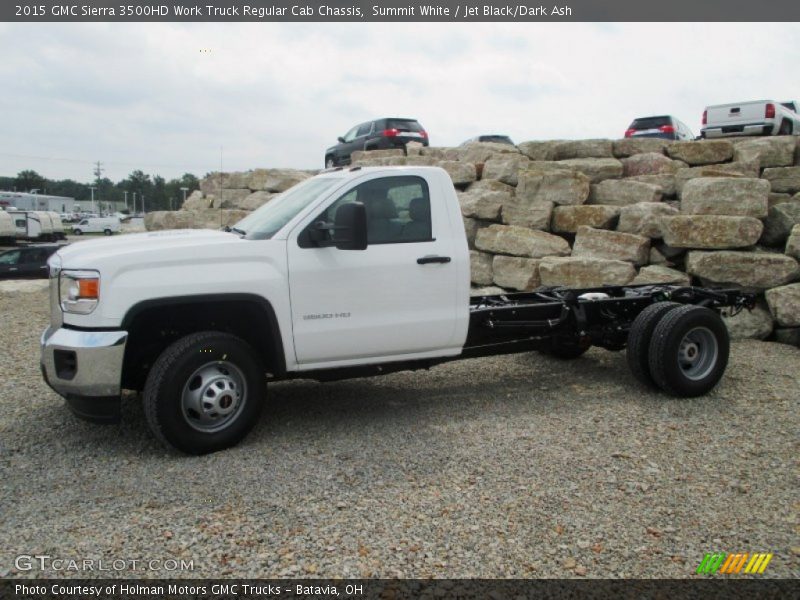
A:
(650, 123)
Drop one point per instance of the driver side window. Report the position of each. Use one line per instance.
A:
(350, 135)
(398, 210)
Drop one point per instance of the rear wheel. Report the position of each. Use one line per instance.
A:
(638, 351)
(786, 128)
(204, 392)
(107, 232)
(689, 351)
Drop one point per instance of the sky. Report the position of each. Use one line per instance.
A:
(171, 98)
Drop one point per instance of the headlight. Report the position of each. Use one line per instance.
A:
(79, 291)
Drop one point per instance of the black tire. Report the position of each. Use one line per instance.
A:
(689, 351)
(204, 370)
(786, 128)
(638, 351)
(77, 232)
(107, 232)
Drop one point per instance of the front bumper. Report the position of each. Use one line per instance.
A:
(85, 367)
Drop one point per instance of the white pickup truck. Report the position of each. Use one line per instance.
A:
(353, 272)
(760, 117)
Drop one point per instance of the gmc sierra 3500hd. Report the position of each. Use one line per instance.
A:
(353, 272)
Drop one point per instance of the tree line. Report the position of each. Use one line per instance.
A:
(159, 193)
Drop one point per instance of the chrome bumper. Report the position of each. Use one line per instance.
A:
(81, 364)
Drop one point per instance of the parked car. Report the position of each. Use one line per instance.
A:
(105, 225)
(26, 262)
(760, 117)
(380, 134)
(350, 273)
(665, 126)
(494, 138)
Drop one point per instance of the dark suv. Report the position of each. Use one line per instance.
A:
(380, 134)
(666, 127)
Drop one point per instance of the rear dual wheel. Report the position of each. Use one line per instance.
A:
(682, 349)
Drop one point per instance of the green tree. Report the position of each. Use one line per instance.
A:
(29, 180)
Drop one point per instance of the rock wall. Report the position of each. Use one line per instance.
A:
(594, 212)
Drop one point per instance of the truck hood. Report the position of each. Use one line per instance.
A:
(94, 253)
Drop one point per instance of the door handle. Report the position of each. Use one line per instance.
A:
(433, 259)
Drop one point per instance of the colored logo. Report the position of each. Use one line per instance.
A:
(730, 564)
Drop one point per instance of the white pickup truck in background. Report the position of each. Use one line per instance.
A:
(353, 272)
(759, 117)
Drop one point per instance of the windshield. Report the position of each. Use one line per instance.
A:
(265, 222)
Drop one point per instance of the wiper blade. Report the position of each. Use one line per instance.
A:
(236, 230)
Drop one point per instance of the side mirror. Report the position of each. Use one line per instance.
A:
(340, 139)
(350, 231)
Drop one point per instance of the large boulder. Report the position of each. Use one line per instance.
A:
(630, 146)
(752, 270)
(701, 153)
(682, 176)
(710, 231)
(198, 201)
(612, 245)
(214, 218)
(783, 179)
(540, 183)
(666, 181)
(462, 173)
(535, 215)
(504, 168)
(648, 163)
(767, 151)
(725, 196)
(441, 153)
(520, 241)
(644, 218)
(779, 223)
(158, 220)
(567, 219)
(254, 200)
(277, 180)
(230, 198)
(780, 198)
(516, 273)
(749, 324)
(596, 169)
(471, 228)
(585, 272)
(359, 155)
(623, 192)
(540, 150)
(784, 304)
(213, 182)
(570, 149)
(660, 274)
(480, 267)
(480, 152)
(484, 202)
(793, 243)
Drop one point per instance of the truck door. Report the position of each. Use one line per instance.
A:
(395, 299)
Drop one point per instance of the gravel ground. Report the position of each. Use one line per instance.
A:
(517, 466)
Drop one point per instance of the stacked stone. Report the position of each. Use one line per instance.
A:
(587, 213)
(225, 198)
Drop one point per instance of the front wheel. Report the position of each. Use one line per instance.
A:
(77, 232)
(107, 232)
(204, 392)
(329, 162)
(786, 128)
(689, 351)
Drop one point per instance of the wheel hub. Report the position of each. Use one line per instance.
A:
(213, 396)
(698, 353)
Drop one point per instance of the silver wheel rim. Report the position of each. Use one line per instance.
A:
(214, 396)
(697, 353)
(329, 164)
